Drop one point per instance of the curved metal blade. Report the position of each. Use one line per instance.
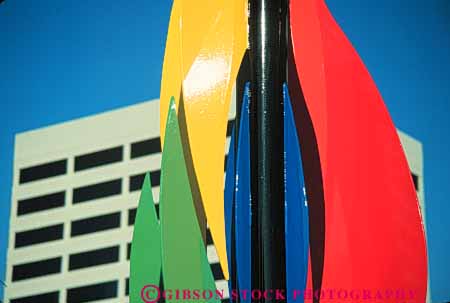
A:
(205, 45)
(229, 205)
(184, 261)
(374, 236)
(145, 258)
(296, 208)
(243, 201)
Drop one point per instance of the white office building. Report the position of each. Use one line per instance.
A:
(75, 192)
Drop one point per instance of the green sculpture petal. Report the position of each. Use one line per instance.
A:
(184, 261)
(145, 259)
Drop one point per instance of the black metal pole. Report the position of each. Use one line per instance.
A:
(268, 64)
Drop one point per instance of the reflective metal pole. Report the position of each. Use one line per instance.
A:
(268, 70)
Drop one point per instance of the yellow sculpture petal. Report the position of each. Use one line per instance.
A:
(204, 49)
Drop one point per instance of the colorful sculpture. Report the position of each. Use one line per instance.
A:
(318, 193)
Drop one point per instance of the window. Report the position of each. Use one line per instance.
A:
(155, 177)
(43, 171)
(161, 287)
(94, 258)
(157, 210)
(209, 240)
(41, 203)
(50, 297)
(131, 216)
(217, 271)
(128, 251)
(146, 147)
(39, 235)
(135, 182)
(95, 224)
(97, 191)
(36, 269)
(92, 292)
(99, 158)
(415, 180)
(230, 126)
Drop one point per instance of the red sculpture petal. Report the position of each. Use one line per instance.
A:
(373, 231)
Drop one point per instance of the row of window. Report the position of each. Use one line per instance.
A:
(50, 266)
(78, 228)
(83, 226)
(97, 257)
(99, 291)
(84, 194)
(94, 159)
(88, 293)
(87, 161)
(96, 191)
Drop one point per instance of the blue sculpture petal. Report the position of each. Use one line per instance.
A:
(230, 182)
(243, 200)
(296, 207)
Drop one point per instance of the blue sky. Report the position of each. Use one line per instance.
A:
(61, 60)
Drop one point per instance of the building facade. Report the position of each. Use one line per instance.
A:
(75, 191)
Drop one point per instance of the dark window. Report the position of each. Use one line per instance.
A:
(99, 158)
(146, 147)
(96, 191)
(50, 297)
(161, 287)
(43, 171)
(131, 216)
(209, 240)
(135, 182)
(217, 271)
(127, 286)
(128, 251)
(39, 235)
(157, 210)
(230, 126)
(36, 269)
(95, 224)
(416, 181)
(94, 258)
(31, 205)
(155, 177)
(93, 292)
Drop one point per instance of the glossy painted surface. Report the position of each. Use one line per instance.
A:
(205, 45)
(296, 207)
(184, 260)
(230, 182)
(145, 259)
(243, 201)
(374, 236)
(267, 28)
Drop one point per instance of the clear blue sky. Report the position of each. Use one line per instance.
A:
(61, 60)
